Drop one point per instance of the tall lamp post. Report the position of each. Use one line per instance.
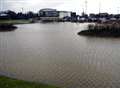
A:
(99, 6)
(86, 2)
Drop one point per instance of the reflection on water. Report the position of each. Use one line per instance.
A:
(7, 29)
(55, 54)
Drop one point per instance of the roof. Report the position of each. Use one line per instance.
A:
(48, 9)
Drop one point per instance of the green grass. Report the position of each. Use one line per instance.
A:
(15, 21)
(6, 82)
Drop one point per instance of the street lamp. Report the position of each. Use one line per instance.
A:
(99, 6)
(86, 2)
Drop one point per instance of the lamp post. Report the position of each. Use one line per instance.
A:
(86, 2)
(99, 6)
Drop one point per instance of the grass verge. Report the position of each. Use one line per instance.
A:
(6, 82)
(15, 21)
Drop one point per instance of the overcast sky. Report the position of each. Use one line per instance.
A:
(110, 6)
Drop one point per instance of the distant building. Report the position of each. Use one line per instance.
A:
(73, 14)
(73, 17)
(103, 20)
(49, 14)
(3, 15)
(92, 15)
(113, 19)
(103, 14)
(63, 14)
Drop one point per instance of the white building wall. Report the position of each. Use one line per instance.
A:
(63, 14)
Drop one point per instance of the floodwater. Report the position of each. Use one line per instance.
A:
(53, 53)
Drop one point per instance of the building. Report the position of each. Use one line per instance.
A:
(103, 14)
(63, 14)
(73, 17)
(49, 14)
(3, 15)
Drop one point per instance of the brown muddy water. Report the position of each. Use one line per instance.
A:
(53, 53)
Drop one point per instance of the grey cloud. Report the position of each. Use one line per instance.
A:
(27, 5)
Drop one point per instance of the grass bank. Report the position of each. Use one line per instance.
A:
(15, 21)
(6, 82)
(102, 30)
